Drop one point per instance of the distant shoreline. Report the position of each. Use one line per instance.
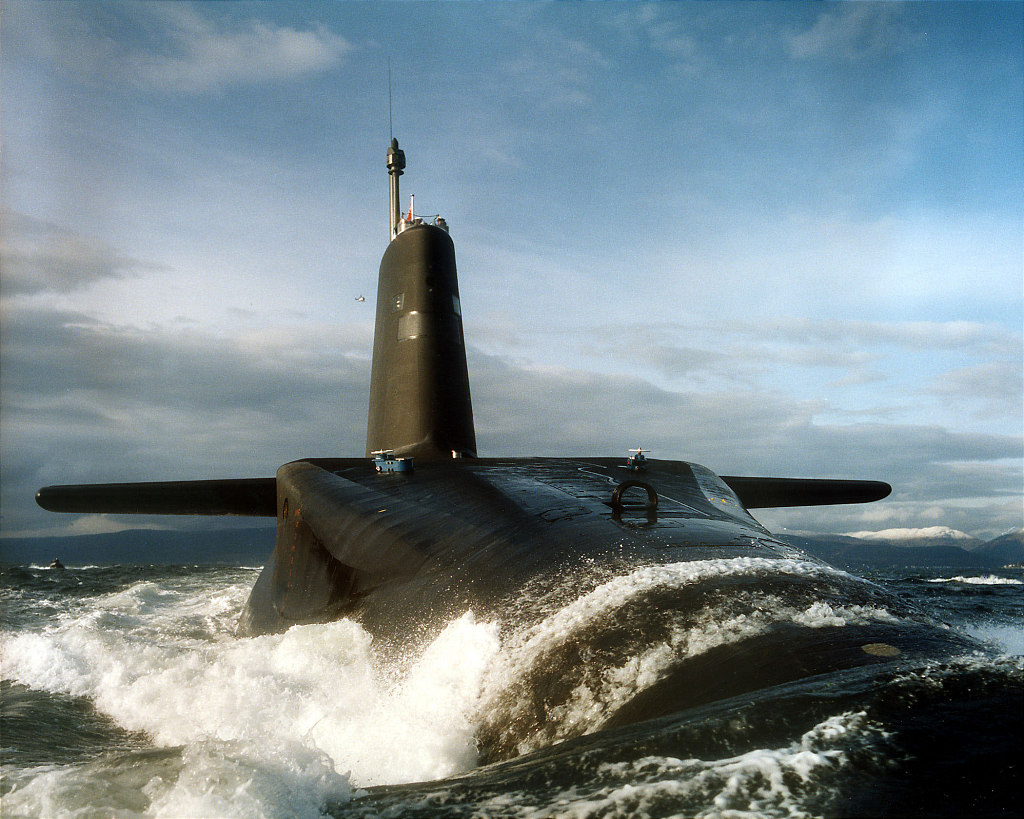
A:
(252, 546)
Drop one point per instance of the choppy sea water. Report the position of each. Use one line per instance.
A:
(126, 693)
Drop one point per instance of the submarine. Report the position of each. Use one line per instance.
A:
(422, 528)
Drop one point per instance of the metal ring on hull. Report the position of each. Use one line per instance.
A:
(652, 497)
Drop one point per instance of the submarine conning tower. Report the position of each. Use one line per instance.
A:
(419, 385)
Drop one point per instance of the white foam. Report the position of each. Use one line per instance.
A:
(587, 707)
(208, 779)
(423, 727)
(986, 580)
(243, 780)
(269, 725)
(621, 589)
(590, 703)
(279, 724)
(762, 783)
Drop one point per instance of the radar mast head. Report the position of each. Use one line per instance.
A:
(396, 165)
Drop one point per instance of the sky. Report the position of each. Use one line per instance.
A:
(771, 238)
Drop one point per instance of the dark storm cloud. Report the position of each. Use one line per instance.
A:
(72, 356)
(84, 401)
(555, 410)
(40, 257)
(998, 385)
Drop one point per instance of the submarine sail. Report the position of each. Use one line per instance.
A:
(420, 404)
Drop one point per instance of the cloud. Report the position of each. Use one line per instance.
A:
(564, 85)
(908, 335)
(552, 409)
(852, 32)
(198, 55)
(647, 26)
(851, 368)
(41, 257)
(553, 68)
(498, 156)
(996, 387)
(89, 402)
(944, 532)
(175, 46)
(71, 357)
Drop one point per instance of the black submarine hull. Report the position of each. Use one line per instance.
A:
(489, 527)
(654, 561)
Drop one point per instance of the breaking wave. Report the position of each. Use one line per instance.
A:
(572, 672)
(987, 580)
(147, 705)
(267, 726)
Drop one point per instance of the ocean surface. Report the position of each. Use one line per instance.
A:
(125, 693)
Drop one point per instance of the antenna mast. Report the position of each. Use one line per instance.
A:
(396, 164)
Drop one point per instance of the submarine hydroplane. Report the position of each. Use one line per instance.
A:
(422, 528)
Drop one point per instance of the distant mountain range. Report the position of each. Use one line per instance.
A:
(252, 547)
(229, 547)
(945, 547)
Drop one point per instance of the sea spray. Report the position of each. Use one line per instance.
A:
(570, 673)
(983, 580)
(420, 728)
(273, 725)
